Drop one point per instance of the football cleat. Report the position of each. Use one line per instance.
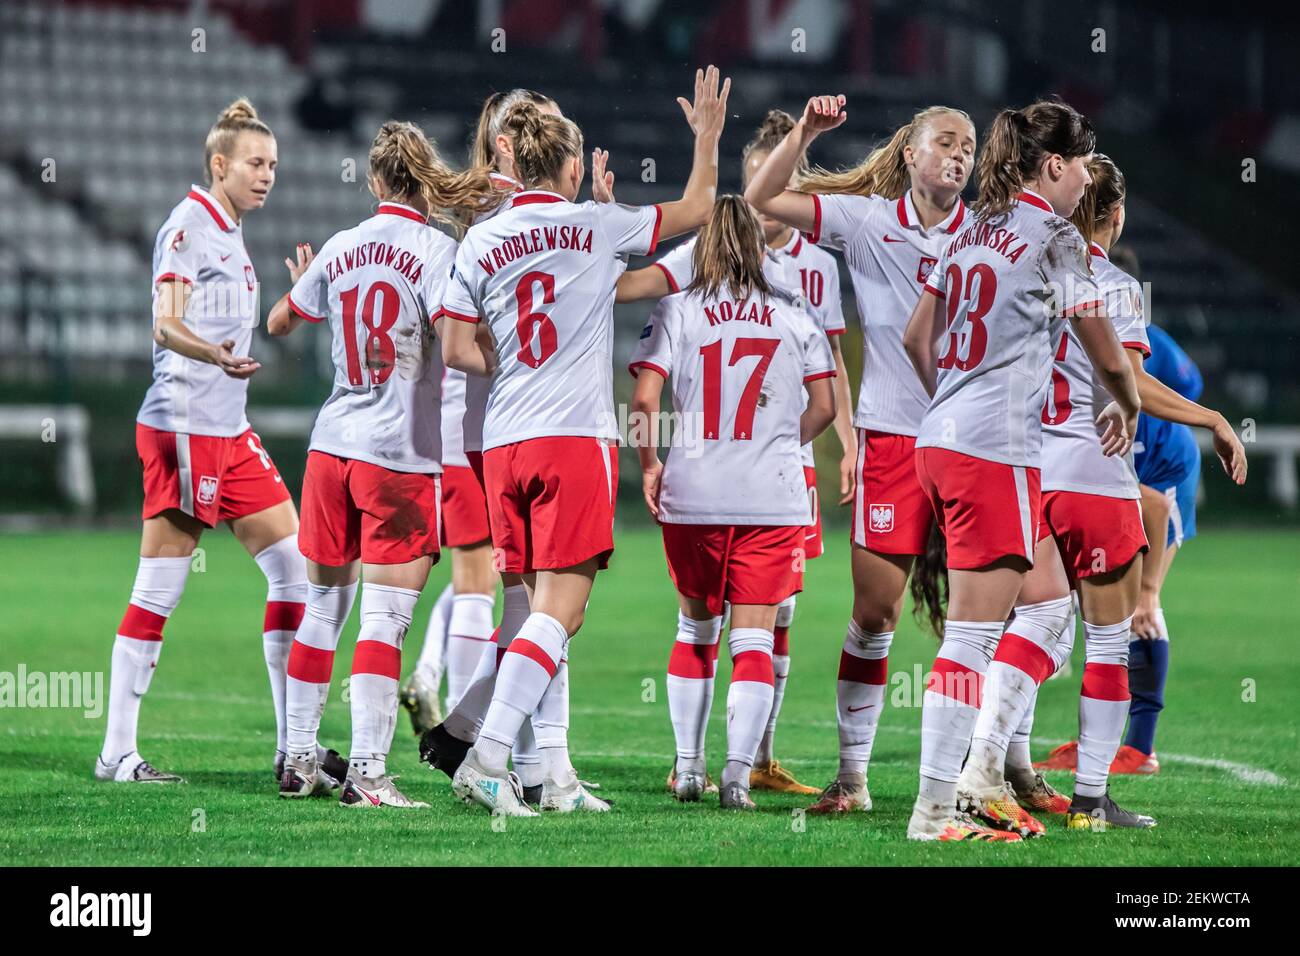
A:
(279, 764)
(1064, 757)
(841, 797)
(331, 768)
(440, 749)
(501, 795)
(998, 810)
(133, 769)
(709, 786)
(421, 702)
(362, 791)
(1131, 760)
(1042, 797)
(533, 794)
(1103, 813)
(689, 785)
(569, 799)
(735, 797)
(772, 776)
(939, 823)
(301, 777)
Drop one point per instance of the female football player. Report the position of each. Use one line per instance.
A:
(804, 271)
(541, 273)
(371, 493)
(891, 216)
(1091, 537)
(202, 461)
(731, 542)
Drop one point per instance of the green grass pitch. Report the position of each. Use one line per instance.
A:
(1228, 741)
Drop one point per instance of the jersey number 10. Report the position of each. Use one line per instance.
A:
(764, 349)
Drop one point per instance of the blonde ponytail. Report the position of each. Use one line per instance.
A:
(884, 171)
(729, 251)
(407, 164)
(482, 151)
(238, 117)
(542, 143)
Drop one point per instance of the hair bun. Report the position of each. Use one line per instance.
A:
(240, 111)
(776, 123)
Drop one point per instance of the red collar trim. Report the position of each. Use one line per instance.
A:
(1096, 250)
(526, 196)
(902, 211)
(214, 208)
(957, 216)
(397, 209)
(1035, 200)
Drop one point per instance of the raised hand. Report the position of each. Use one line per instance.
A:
(707, 114)
(602, 180)
(305, 256)
(822, 113)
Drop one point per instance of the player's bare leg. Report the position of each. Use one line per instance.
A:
(388, 596)
(1107, 602)
(979, 602)
(270, 536)
(879, 583)
(1023, 661)
(331, 592)
(167, 543)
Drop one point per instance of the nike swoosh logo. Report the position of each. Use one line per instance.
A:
(373, 800)
(854, 710)
(229, 254)
(889, 238)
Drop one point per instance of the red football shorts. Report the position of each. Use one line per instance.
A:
(464, 508)
(207, 477)
(551, 502)
(891, 511)
(352, 509)
(746, 564)
(812, 542)
(1095, 533)
(986, 510)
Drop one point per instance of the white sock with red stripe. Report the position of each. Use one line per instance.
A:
(467, 716)
(1022, 662)
(311, 664)
(550, 727)
(749, 700)
(377, 664)
(1019, 767)
(159, 583)
(780, 672)
(286, 595)
(1103, 704)
(860, 697)
(525, 670)
(951, 704)
(690, 687)
(469, 632)
(429, 664)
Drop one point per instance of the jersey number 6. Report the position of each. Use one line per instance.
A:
(764, 349)
(530, 320)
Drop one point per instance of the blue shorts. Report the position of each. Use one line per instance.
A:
(1182, 506)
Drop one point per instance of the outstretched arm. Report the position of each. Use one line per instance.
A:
(769, 190)
(706, 117)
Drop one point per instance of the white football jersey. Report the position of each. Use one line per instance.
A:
(1008, 286)
(201, 246)
(542, 274)
(738, 370)
(1072, 458)
(806, 274)
(379, 283)
(889, 255)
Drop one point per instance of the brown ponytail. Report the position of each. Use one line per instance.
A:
(1015, 145)
(729, 252)
(482, 150)
(775, 127)
(1101, 198)
(883, 172)
(238, 117)
(542, 143)
(929, 584)
(407, 165)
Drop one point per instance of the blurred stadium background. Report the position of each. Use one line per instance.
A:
(104, 107)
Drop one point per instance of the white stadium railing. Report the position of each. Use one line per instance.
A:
(68, 428)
